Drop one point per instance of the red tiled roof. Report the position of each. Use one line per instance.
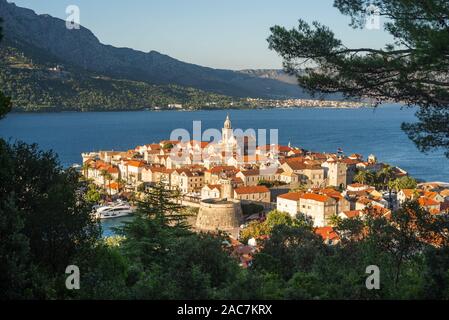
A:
(112, 170)
(426, 202)
(350, 161)
(219, 169)
(114, 185)
(353, 213)
(294, 196)
(327, 233)
(409, 193)
(251, 189)
(214, 186)
(364, 201)
(296, 165)
(135, 163)
(251, 172)
(315, 197)
(331, 193)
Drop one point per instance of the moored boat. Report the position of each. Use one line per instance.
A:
(115, 210)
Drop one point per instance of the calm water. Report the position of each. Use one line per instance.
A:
(363, 131)
(108, 225)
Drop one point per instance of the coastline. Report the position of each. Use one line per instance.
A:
(59, 110)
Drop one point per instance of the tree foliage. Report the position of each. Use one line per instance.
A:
(412, 70)
(5, 102)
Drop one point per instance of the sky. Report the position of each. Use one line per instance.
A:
(227, 34)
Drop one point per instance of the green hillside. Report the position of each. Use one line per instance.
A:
(45, 87)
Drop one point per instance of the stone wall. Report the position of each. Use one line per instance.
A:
(217, 214)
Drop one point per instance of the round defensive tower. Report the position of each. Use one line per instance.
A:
(219, 214)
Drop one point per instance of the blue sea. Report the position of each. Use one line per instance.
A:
(365, 131)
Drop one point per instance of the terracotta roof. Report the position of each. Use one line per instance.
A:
(213, 186)
(316, 155)
(190, 173)
(251, 189)
(251, 172)
(279, 148)
(113, 170)
(426, 202)
(315, 197)
(327, 233)
(114, 185)
(352, 213)
(296, 165)
(169, 141)
(161, 170)
(430, 194)
(237, 180)
(331, 193)
(294, 196)
(153, 151)
(350, 161)
(220, 169)
(135, 163)
(409, 193)
(364, 201)
(380, 211)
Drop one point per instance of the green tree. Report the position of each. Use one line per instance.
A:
(405, 182)
(85, 167)
(412, 70)
(92, 195)
(365, 177)
(277, 217)
(159, 219)
(289, 249)
(384, 176)
(5, 102)
(106, 177)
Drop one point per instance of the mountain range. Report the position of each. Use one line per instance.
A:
(46, 41)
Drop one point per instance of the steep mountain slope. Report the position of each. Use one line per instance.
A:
(42, 36)
(274, 74)
(49, 87)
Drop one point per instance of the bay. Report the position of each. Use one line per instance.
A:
(364, 130)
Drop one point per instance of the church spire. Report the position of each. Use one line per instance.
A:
(227, 123)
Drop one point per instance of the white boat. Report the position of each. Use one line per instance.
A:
(116, 210)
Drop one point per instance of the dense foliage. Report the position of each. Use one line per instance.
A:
(44, 222)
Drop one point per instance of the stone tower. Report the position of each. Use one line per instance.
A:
(227, 133)
(227, 191)
(216, 214)
(336, 173)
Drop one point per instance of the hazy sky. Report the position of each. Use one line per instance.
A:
(227, 34)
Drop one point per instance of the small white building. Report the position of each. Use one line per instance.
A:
(211, 191)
